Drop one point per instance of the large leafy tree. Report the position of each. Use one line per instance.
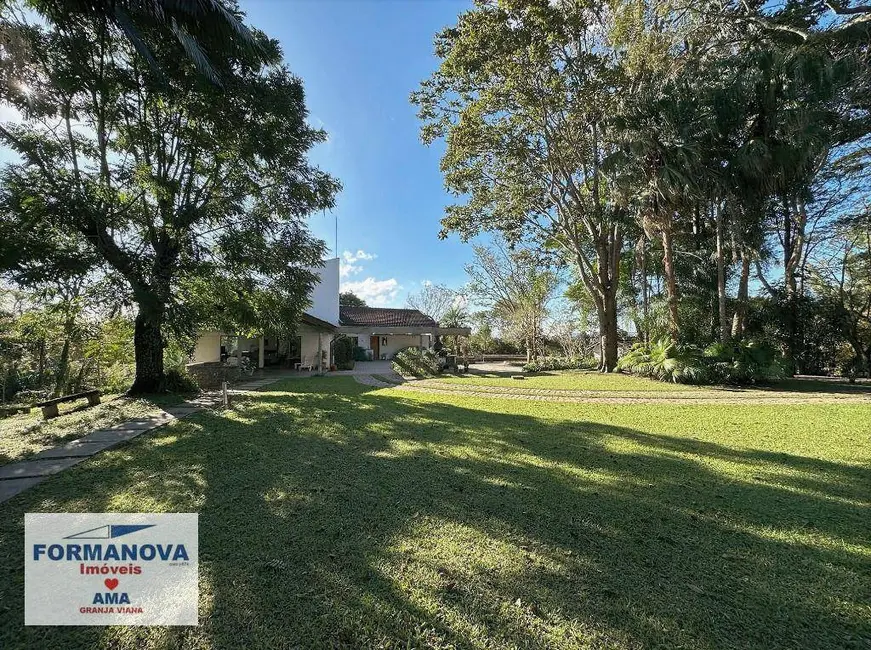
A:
(434, 300)
(351, 299)
(516, 287)
(192, 197)
(841, 275)
(523, 98)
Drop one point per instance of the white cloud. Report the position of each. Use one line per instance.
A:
(359, 255)
(347, 265)
(376, 293)
(346, 269)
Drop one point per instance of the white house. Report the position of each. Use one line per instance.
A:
(384, 332)
(381, 331)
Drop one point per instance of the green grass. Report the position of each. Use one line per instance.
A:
(24, 435)
(566, 380)
(585, 380)
(335, 515)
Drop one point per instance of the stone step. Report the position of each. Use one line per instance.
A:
(112, 435)
(31, 468)
(77, 449)
(10, 487)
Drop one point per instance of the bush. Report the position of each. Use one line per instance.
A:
(560, 363)
(360, 354)
(416, 363)
(745, 362)
(665, 360)
(739, 364)
(179, 381)
(118, 377)
(343, 353)
(32, 396)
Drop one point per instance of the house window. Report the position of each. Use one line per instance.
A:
(355, 340)
(383, 340)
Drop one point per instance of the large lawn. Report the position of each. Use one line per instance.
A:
(336, 515)
(586, 380)
(564, 380)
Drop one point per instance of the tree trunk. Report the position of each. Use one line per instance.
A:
(740, 314)
(795, 220)
(645, 291)
(601, 285)
(721, 277)
(859, 363)
(148, 347)
(63, 368)
(41, 362)
(671, 283)
(80, 379)
(609, 334)
(60, 378)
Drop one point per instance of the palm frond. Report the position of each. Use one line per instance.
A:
(195, 52)
(124, 22)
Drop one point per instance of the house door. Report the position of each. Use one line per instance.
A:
(375, 344)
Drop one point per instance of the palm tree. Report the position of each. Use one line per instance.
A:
(456, 316)
(203, 28)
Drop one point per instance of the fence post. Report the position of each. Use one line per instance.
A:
(224, 394)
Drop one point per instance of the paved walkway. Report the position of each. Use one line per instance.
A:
(18, 477)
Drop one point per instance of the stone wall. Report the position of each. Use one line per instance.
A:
(211, 375)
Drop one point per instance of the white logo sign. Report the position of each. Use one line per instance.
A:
(111, 569)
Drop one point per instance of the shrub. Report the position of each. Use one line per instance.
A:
(343, 353)
(31, 396)
(560, 363)
(745, 362)
(740, 363)
(665, 360)
(360, 353)
(179, 381)
(118, 377)
(416, 362)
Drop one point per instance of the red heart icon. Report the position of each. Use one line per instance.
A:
(110, 583)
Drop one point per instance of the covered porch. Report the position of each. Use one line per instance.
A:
(310, 347)
(383, 342)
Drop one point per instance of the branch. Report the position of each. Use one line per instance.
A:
(764, 282)
(841, 10)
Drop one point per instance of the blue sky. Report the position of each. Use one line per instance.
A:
(359, 60)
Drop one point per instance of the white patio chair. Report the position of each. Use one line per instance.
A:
(305, 364)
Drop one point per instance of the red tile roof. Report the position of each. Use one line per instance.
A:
(382, 317)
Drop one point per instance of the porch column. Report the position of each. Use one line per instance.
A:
(320, 354)
(261, 358)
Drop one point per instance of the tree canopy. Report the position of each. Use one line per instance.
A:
(675, 157)
(190, 199)
(351, 299)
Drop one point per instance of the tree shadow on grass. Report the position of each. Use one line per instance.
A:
(338, 516)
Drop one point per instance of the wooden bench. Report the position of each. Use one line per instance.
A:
(49, 407)
(6, 411)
